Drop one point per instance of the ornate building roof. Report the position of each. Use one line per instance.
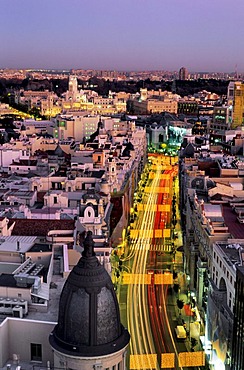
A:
(89, 319)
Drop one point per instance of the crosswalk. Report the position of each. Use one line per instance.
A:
(151, 247)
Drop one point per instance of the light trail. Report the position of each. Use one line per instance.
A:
(146, 304)
(137, 307)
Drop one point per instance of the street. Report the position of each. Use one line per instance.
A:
(150, 268)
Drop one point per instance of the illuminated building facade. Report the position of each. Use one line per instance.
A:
(221, 119)
(189, 108)
(150, 106)
(76, 125)
(236, 101)
(237, 361)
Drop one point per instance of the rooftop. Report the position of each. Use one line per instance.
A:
(233, 251)
(40, 227)
(235, 228)
(22, 244)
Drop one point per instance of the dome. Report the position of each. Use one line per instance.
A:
(210, 184)
(189, 151)
(198, 183)
(89, 320)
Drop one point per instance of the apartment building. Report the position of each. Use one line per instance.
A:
(237, 360)
(221, 119)
(150, 106)
(235, 97)
(183, 74)
(76, 125)
(211, 199)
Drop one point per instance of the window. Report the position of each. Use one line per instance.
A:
(36, 352)
(231, 93)
(55, 200)
(19, 295)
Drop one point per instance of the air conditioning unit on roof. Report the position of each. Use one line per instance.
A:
(18, 311)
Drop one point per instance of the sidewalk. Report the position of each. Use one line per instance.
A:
(186, 316)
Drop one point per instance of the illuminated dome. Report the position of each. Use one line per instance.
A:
(89, 320)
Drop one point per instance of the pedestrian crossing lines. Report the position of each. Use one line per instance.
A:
(151, 247)
(160, 247)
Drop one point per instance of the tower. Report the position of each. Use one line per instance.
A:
(89, 334)
(111, 173)
(73, 84)
(183, 74)
(235, 98)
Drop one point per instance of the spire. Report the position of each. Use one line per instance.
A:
(100, 123)
(88, 246)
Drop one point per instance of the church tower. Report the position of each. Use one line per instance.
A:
(111, 174)
(73, 84)
(89, 334)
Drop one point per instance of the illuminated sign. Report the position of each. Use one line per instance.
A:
(158, 233)
(166, 233)
(161, 279)
(143, 362)
(128, 279)
(191, 359)
(168, 360)
(154, 207)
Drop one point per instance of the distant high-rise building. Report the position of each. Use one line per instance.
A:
(235, 98)
(237, 360)
(183, 74)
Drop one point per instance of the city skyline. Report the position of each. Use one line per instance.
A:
(122, 35)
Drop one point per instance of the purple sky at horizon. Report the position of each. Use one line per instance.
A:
(202, 35)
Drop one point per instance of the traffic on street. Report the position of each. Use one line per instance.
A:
(152, 274)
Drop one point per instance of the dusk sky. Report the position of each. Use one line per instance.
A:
(202, 35)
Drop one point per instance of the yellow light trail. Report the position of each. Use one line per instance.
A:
(137, 307)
